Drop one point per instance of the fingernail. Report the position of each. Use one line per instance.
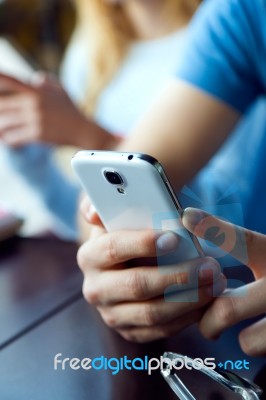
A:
(167, 241)
(209, 271)
(192, 217)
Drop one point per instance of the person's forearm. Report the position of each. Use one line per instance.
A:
(90, 135)
(183, 129)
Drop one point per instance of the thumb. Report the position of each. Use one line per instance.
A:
(246, 246)
(89, 213)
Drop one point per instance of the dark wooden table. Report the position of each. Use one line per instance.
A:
(37, 278)
(42, 313)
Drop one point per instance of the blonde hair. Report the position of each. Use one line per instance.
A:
(110, 34)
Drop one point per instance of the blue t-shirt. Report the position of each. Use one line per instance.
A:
(143, 72)
(225, 51)
(225, 56)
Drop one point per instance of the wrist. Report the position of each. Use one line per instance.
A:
(113, 142)
(83, 133)
(93, 136)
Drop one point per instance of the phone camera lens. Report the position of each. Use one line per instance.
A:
(113, 177)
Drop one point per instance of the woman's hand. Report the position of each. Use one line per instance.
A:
(42, 111)
(239, 304)
(131, 299)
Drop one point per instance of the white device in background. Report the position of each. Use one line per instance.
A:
(12, 63)
(131, 191)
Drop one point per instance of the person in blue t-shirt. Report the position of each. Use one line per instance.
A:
(145, 69)
(221, 74)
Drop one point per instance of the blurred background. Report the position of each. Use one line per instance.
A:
(40, 30)
(108, 61)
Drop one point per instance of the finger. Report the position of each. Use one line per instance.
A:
(19, 136)
(89, 213)
(159, 311)
(20, 107)
(232, 307)
(9, 83)
(142, 283)
(11, 103)
(252, 339)
(147, 334)
(117, 247)
(84, 206)
(246, 246)
(10, 121)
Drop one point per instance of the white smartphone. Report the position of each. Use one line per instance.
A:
(131, 191)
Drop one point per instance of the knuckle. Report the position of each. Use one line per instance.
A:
(91, 292)
(111, 248)
(204, 330)
(149, 315)
(108, 318)
(148, 242)
(136, 284)
(82, 257)
(247, 347)
(225, 309)
(181, 278)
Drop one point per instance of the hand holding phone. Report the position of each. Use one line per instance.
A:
(141, 302)
(131, 191)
